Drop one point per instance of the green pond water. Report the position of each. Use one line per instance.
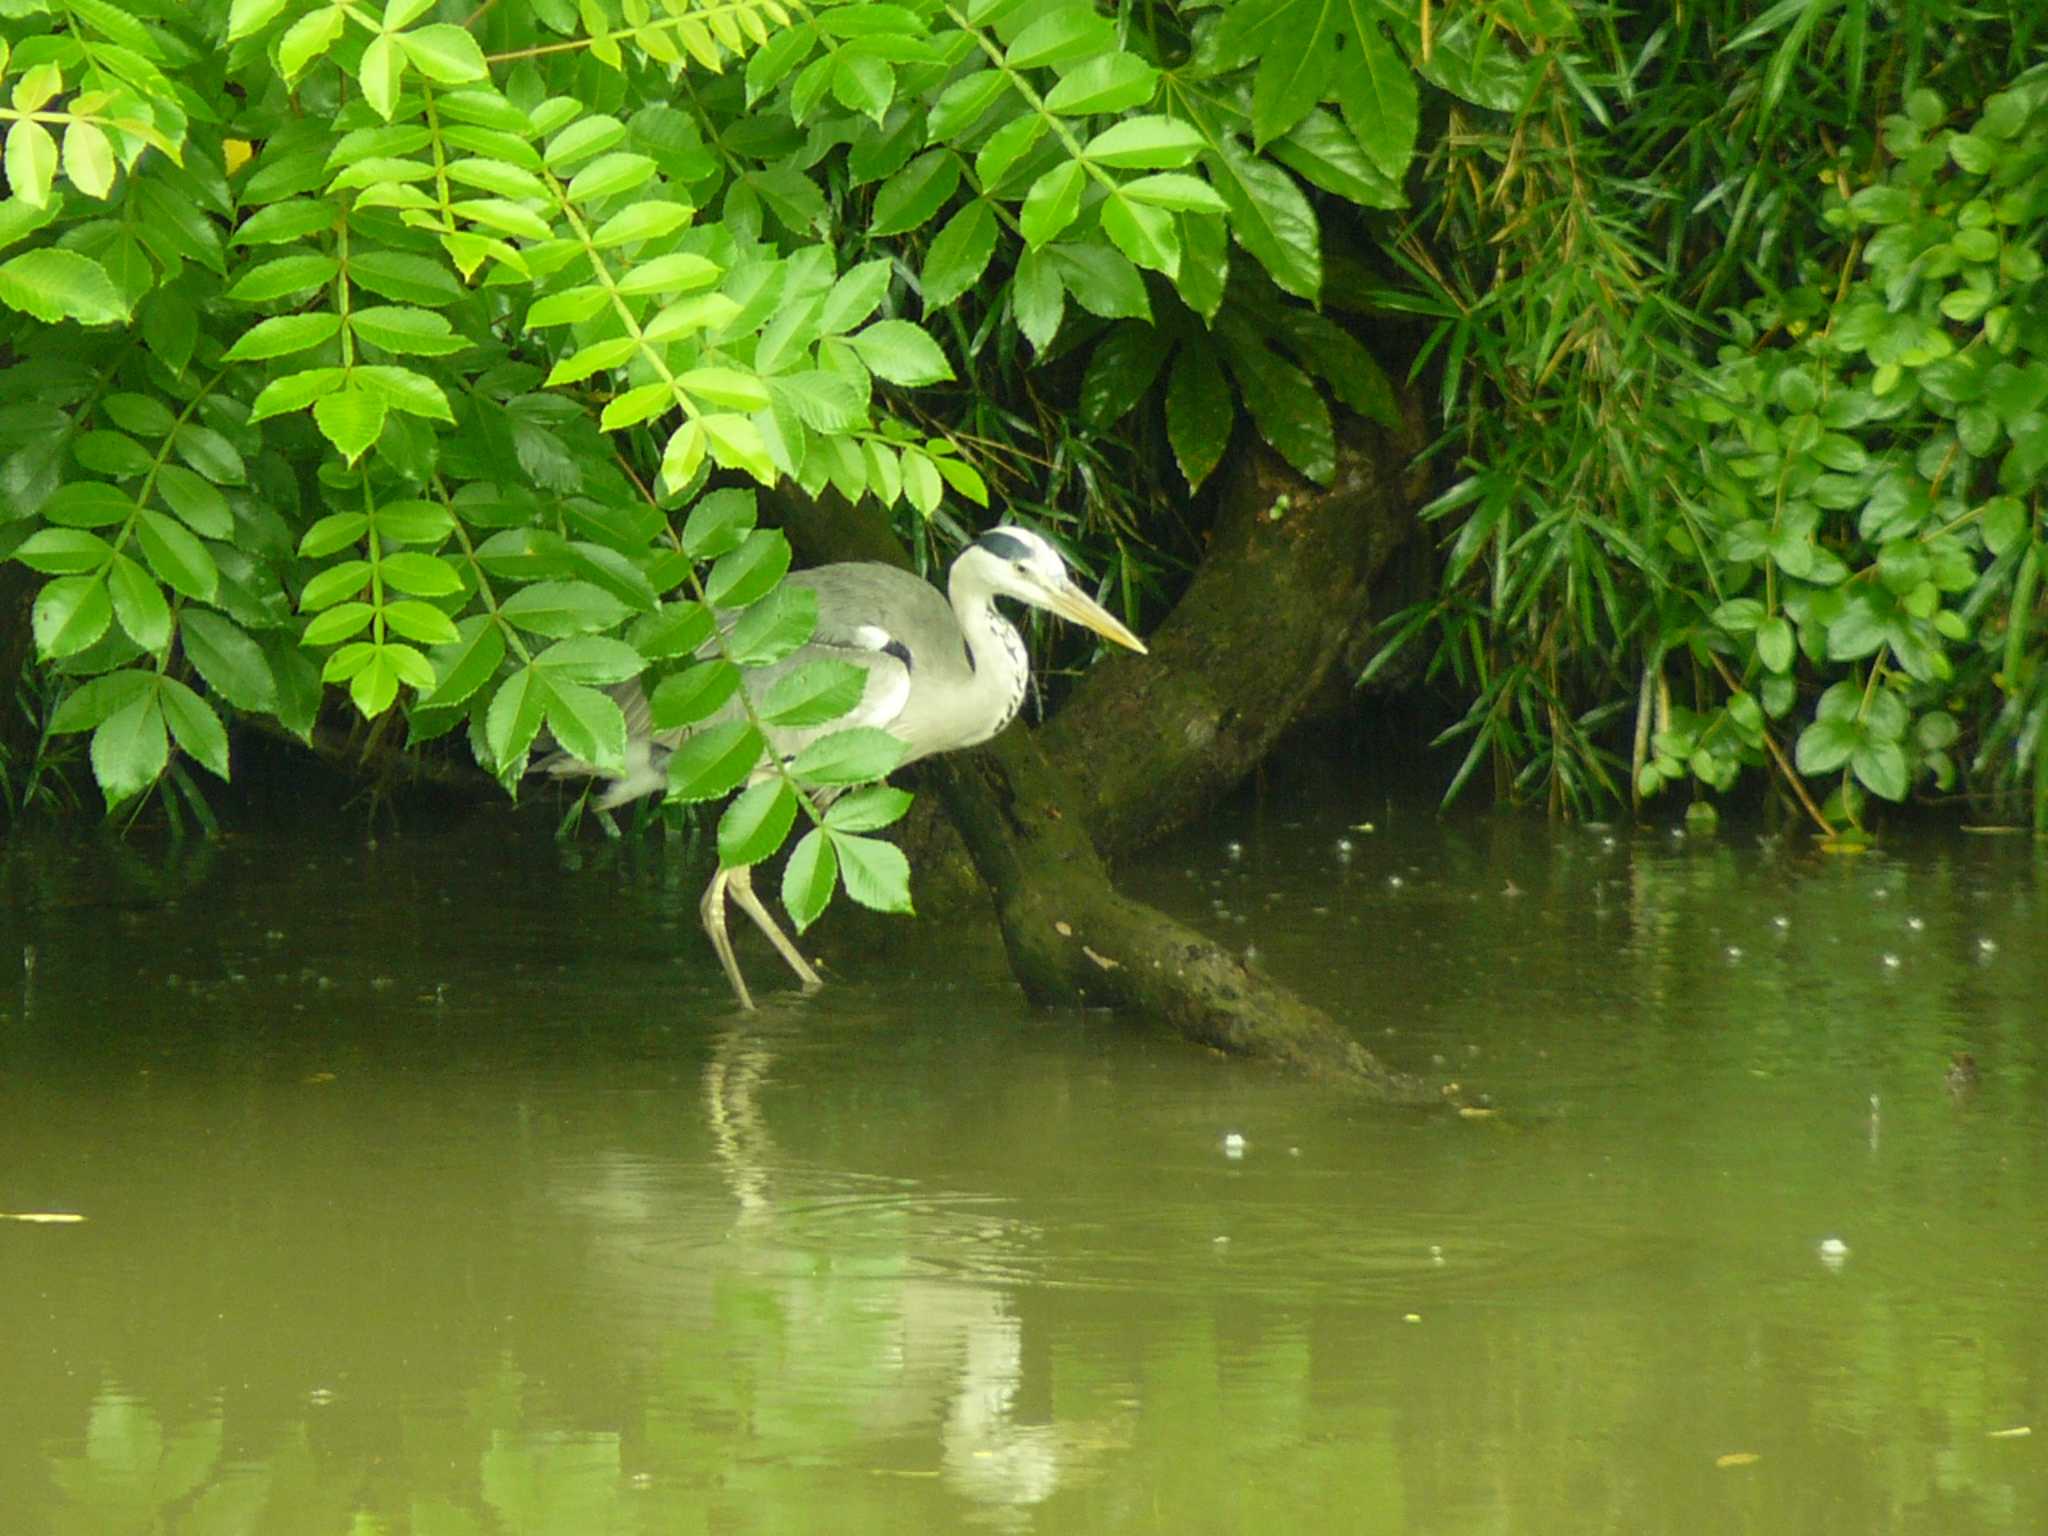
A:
(433, 1185)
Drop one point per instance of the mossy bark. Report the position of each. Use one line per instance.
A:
(1072, 938)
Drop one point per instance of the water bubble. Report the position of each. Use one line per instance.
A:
(1233, 1145)
(1781, 922)
(1915, 924)
(1344, 848)
(1734, 952)
(1987, 947)
(1234, 850)
(1834, 1253)
(1395, 882)
(1891, 962)
(1436, 1253)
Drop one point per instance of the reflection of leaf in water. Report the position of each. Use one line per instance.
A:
(130, 1472)
(554, 1485)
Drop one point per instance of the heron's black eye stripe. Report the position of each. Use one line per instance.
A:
(1005, 546)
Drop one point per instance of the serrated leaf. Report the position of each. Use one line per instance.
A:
(808, 878)
(139, 604)
(875, 873)
(714, 761)
(717, 523)
(130, 748)
(1109, 82)
(756, 822)
(959, 254)
(350, 419)
(910, 197)
(282, 335)
(750, 572)
(814, 693)
(178, 559)
(70, 613)
(232, 664)
(1052, 203)
(195, 726)
(869, 809)
(1145, 143)
(856, 755)
(900, 351)
(445, 53)
(58, 285)
(587, 723)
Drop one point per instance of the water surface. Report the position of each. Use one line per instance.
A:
(432, 1184)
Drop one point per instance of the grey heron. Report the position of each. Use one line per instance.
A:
(942, 673)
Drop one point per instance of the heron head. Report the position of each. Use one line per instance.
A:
(1016, 562)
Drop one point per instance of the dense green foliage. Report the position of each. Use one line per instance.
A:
(1743, 344)
(395, 349)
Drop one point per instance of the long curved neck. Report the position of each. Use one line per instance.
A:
(995, 651)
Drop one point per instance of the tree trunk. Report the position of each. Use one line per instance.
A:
(1153, 742)
(1072, 938)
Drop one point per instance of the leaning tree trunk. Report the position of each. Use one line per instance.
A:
(1153, 742)
(1287, 582)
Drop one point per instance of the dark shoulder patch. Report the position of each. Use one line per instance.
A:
(1004, 546)
(901, 652)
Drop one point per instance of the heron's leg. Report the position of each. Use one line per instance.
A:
(742, 883)
(712, 909)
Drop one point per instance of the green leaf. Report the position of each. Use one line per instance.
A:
(1060, 37)
(774, 627)
(31, 165)
(514, 716)
(1109, 82)
(868, 810)
(963, 104)
(88, 160)
(406, 331)
(445, 53)
(1102, 281)
(1037, 298)
(750, 572)
(282, 335)
(676, 630)
(756, 823)
(295, 391)
(959, 254)
(611, 174)
(1286, 408)
(211, 454)
(94, 700)
(906, 200)
(1146, 235)
(406, 278)
(178, 558)
(84, 504)
(594, 660)
(130, 749)
(714, 761)
(1825, 745)
(1774, 644)
(350, 419)
(67, 551)
(381, 72)
(232, 664)
(1881, 768)
(1005, 147)
(1122, 368)
(875, 873)
(58, 285)
(195, 726)
(586, 136)
(899, 351)
(1145, 143)
(678, 272)
(1172, 189)
(718, 523)
(1272, 220)
(694, 694)
(1052, 203)
(1199, 412)
(728, 387)
(71, 613)
(808, 878)
(863, 83)
(587, 723)
(139, 604)
(559, 608)
(465, 666)
(247, 16)
(814, 693)
(641, 222)
(852, 756)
